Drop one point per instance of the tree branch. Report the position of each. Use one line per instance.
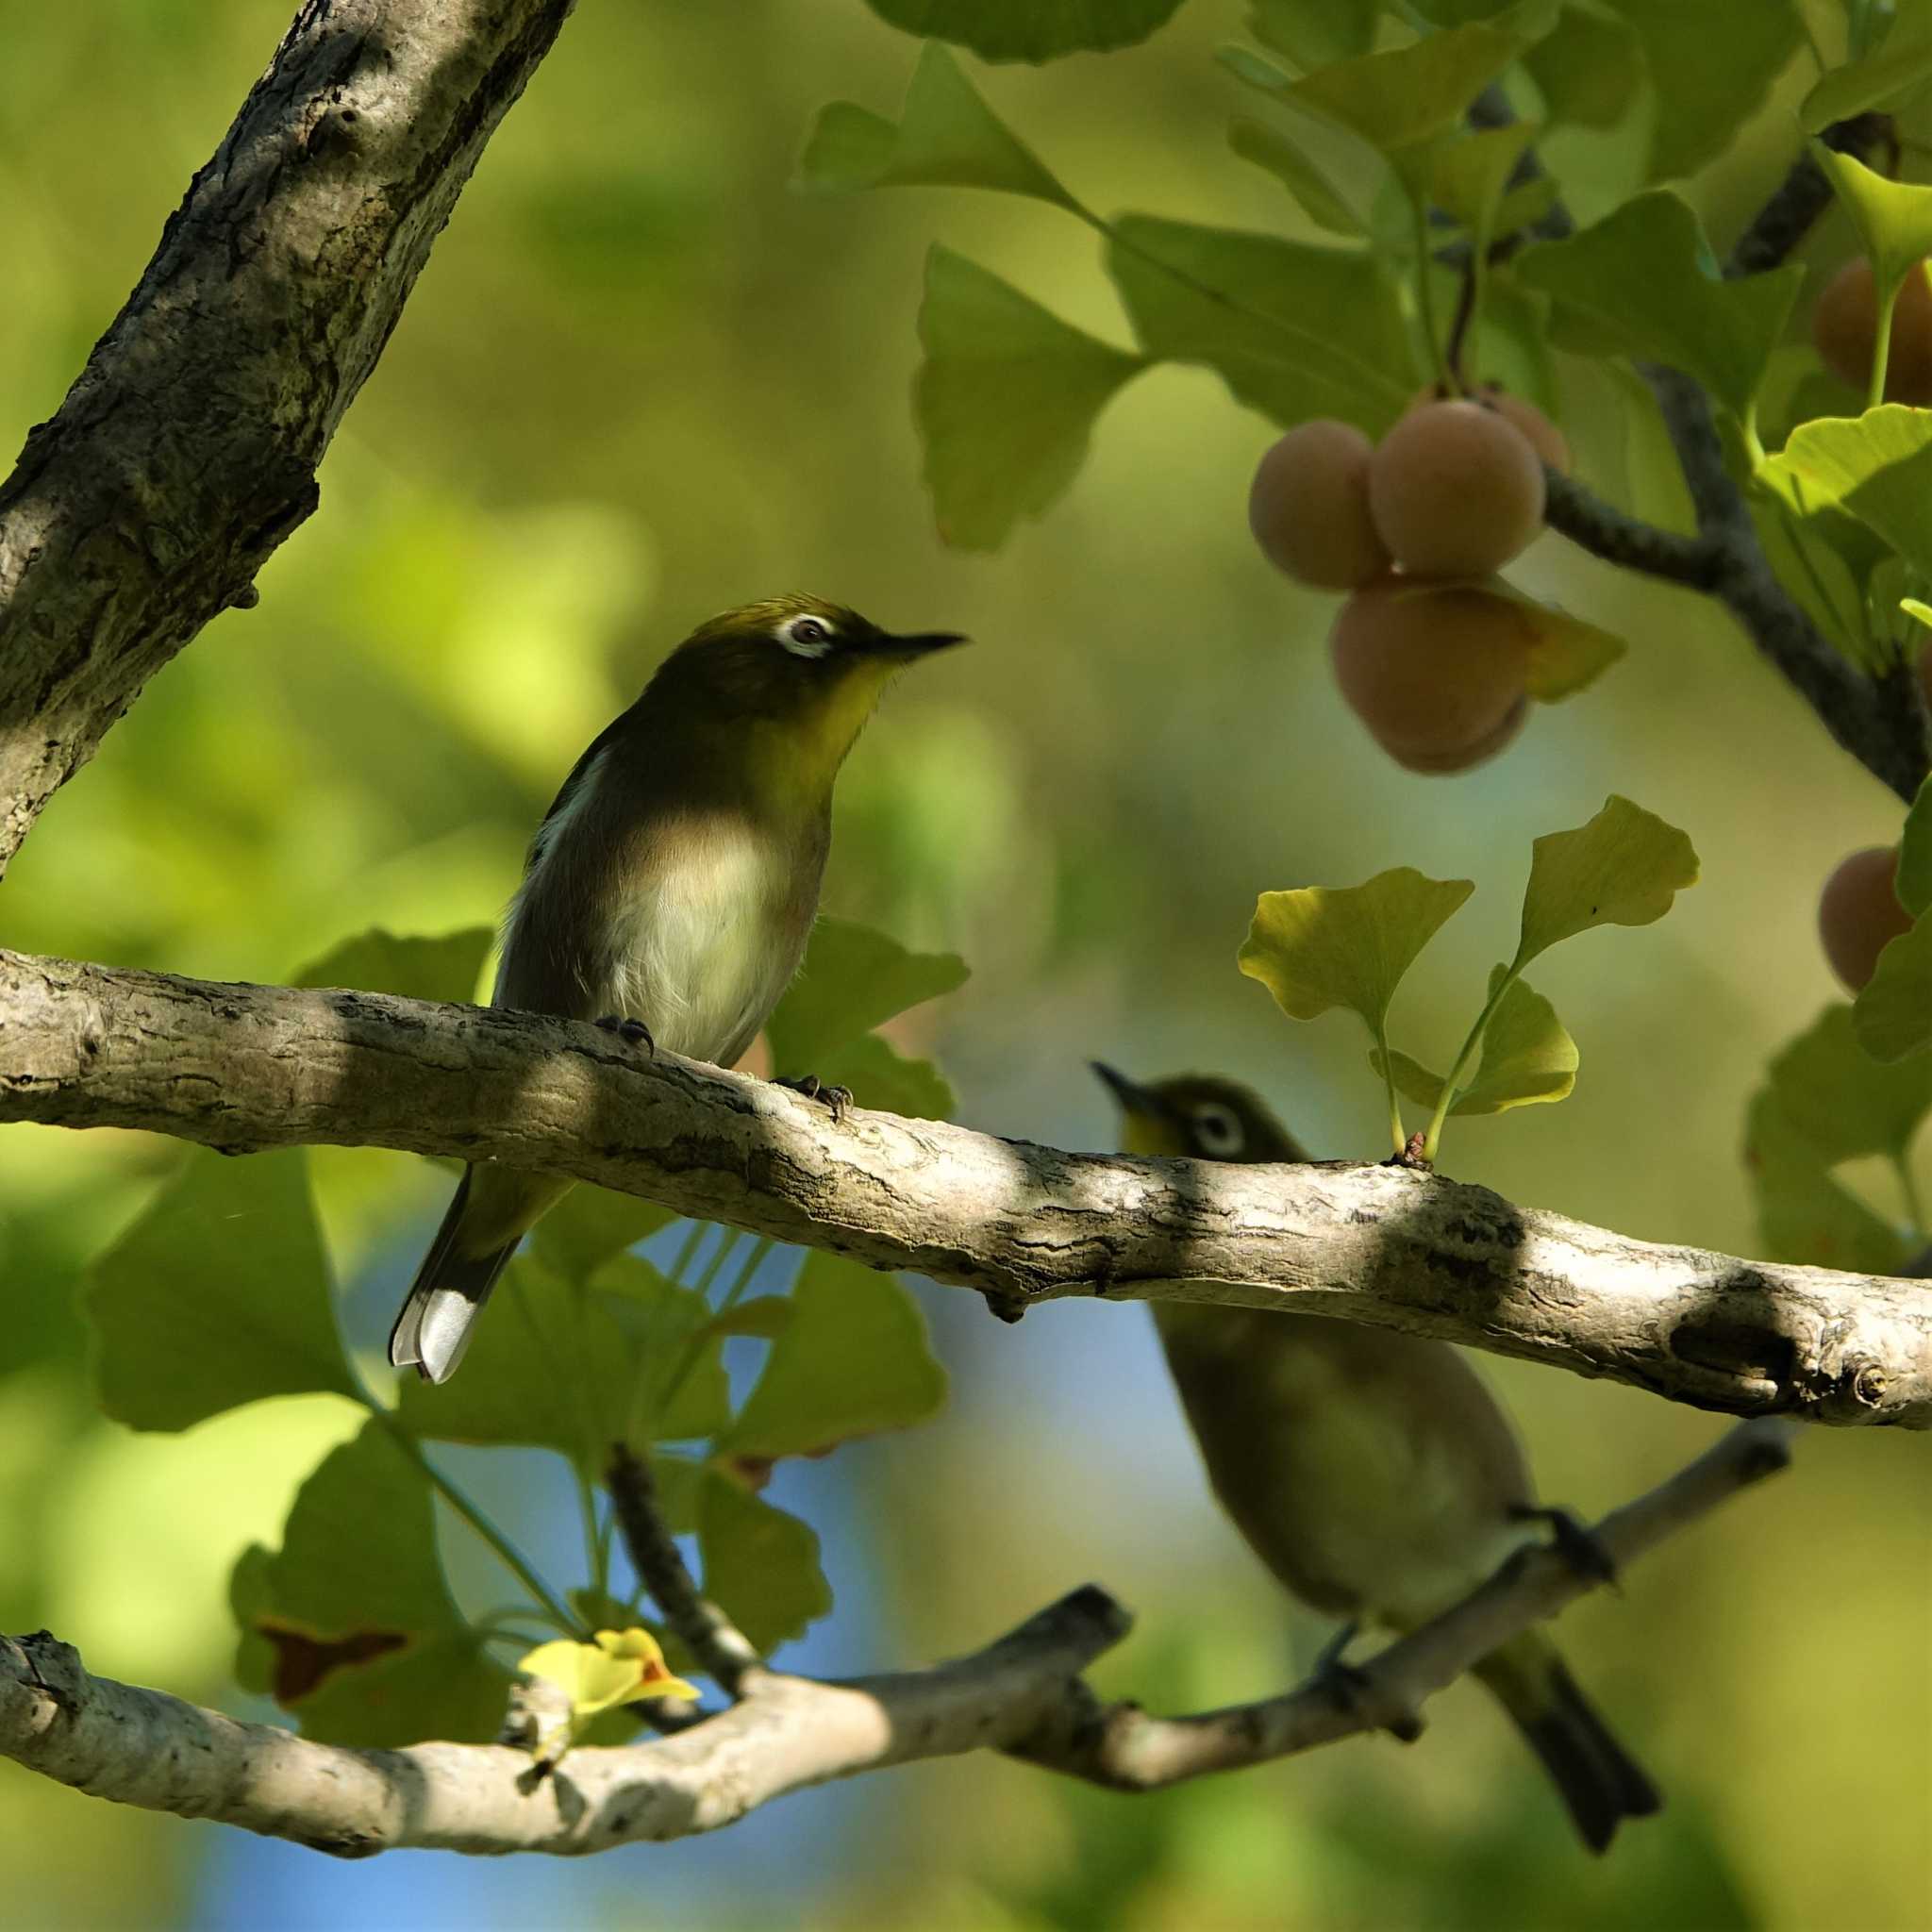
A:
(1023, 1695)
(243, 1068)
(723, 1651)
(187, 449)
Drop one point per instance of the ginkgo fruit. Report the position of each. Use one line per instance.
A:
(1844, 326)
(1542, 435)
(1859, 913)
(1308, 507)
(1456, 491)
(1436, 671)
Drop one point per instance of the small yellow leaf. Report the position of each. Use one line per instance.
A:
(619, 1668)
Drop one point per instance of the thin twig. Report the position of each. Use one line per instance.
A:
(1024, 1695)
(723, 1651)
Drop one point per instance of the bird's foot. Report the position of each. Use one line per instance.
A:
(1573, 1540)
(1347, 1685)
(837, 1098)
(632, 1032)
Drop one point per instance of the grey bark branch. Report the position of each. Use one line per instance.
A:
(187, 449)
(723, 1651)
(243, 1068)
(1023, 1695)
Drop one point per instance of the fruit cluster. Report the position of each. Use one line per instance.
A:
(1435, 668)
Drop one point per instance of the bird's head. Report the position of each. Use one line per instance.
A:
(1198, 1115)
(806, 671)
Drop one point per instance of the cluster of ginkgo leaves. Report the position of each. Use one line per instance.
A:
(223, 1292)
(1318, 948)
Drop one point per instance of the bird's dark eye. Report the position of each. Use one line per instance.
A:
(809, 630)
(1218, 1131)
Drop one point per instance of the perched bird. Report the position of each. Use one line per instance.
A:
(1372, 1472)
(670, 889)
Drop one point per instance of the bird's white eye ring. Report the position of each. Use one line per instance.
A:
(1218, 1130)
(806, 636)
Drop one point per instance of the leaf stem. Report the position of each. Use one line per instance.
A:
(512, 1559)
(1395, 1126)
(1425, 296)
(595, 1553)
(1452, 1087)
(1881, 347)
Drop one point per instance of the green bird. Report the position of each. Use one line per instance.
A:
(1372, 1472)
(670, 889)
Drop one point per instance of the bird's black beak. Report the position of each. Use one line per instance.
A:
(916, 644)
(1133, 1099)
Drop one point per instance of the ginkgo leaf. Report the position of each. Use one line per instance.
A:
(1529, 1057)
(1626, 867)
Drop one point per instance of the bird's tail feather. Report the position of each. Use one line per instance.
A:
(434, 1324)
(1599, 1781)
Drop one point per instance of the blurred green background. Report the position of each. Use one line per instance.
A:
(640, 381)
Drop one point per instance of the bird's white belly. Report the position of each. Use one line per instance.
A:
(701, 954)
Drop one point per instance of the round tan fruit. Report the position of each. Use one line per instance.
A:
(1456, 491)
(1437, 673)
(1308, 507)
(1542, 434)
(1844, 325)
(1858, 913)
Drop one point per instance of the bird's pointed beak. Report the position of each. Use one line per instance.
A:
(1133, 1098)
(919, 644)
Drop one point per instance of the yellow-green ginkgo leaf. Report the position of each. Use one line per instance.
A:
(1321, 946)
(1626, 867)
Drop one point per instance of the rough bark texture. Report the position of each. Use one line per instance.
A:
(187, 449)
(1024, 1695)
(241, 1068)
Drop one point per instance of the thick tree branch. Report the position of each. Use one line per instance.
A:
(187, 449)
(1023, 1695)
(243, 1068)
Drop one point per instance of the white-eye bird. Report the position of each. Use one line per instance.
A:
(670, 889)
(1372, 1472)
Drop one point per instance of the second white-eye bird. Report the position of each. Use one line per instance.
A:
(1372, 1472)
(671, 888)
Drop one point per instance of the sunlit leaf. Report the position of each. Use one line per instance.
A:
(1588, 68)
(1626, 867)
(219, 1294)
(760, 1564)
(1313, 192)
(854, 978)
(854, 1360)
(1295, 330)
(1903, 62)
(1527, 1057)
(1646, 281)
(351, 1617)
(1712, 64)
(946, 137)
(1893, 218)
(1321, 946)
(1004, 399)
(1913, 608)
(1315, 33)
(1876, 467)
(1895, 1010)
(618, 1667)
(1034, 30)
(1805, 1214)
(1846, 1102)
(444, 968)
